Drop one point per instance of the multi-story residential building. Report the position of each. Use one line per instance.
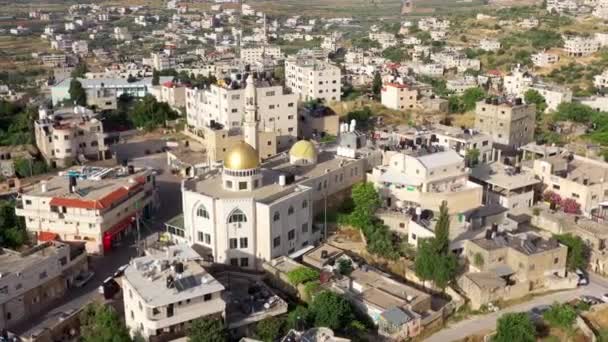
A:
(122, 33)
(102, 98)
(172, 93)
(579, 178)
(248, 213)
(80, 47)
(460, 85)
(54, 60)
(385, 39)
(510, 124)
(70, 135)
(578, 46)
(554, 94)
(543, 59)
(139, 88)
(462, 141)
(313, 79)
(432, 23)
(255, 54)
(489, 45)
(317, 121)
(517, 82)
(504, 266)
(92, 205)
(601, 81)
(561, 6)
(508, 186)
(223, 105)
(34, 279)
(425, 181)
(399, 96)
(162, 61)
(164, 293)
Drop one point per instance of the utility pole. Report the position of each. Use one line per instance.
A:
(138, 234)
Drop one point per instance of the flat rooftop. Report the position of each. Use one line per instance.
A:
(506, 177)
(578, 169)
(524, 243)
(13, 261)
(384, 291)
(148, 276)
(96, 187)
(270, 190)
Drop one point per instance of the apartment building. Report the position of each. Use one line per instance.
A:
(93, 205)
(222, 107)
(554, 94)
(317, 121)
(503, 266)
(578, 46)
(162, 61)
(462, 141)
(54, 59)
(601, 81)
(385, 39)
(508, 186)
(543, 59)
(164, 293)
(425, 181)
(571, 176)
(140, 88)
(489, 45)
(172, 93)
(509, 123)
(517, 82)
(399, 96)
(122, 34)
(102, 98)
(256, 54)
(313, 79)
(70, 135)
(35, 278)
(80, 47)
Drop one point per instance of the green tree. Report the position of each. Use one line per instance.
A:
(77, 93)
(561, 316)
(470, 97)
(12, 227)
(345, 266)
(80, 70)
(331, 310)
(578, 252)
(515, 327)
(269, 329)
(471, 157)
(207, 330)
(149, 113)
(362, 117)
(27, 167)
(377, 85)
(101, 323)
(394, 54)
(434, 260)
(302, 275)
(155, 77)
(534, 97)
(299, 318)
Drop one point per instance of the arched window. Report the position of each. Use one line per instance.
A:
(237, 216)
(276, 216)
(202, 212)
(290, 210)
(304, 204)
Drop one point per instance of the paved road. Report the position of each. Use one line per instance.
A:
(169, 195)
(462, 329)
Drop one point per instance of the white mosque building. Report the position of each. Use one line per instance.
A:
(249, 211)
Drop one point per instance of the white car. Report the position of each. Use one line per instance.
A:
(605, 297)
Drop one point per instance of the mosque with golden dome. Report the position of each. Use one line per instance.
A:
(249, 211)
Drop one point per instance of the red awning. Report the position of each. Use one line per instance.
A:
(120, 226)
(47, 236)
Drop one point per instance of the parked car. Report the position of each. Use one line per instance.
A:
(83, 278)
(591, 300)
(120, 271)
(605, 297)
(583, 279)
(539, 310)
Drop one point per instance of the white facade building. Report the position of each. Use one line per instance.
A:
(578, 46)
(543, 59)
(313, 79)
(255, 54)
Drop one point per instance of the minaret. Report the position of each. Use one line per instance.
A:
(265, 31)
(250, 127)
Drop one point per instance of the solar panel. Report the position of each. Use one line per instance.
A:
(186, 283)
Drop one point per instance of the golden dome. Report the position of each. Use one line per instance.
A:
(241, 157)
(304, 149)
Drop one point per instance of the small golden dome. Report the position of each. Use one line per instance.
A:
(241, 156)
(304, 149)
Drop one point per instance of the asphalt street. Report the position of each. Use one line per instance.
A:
(597, 286)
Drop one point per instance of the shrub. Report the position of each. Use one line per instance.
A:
(302, 275)
(570, 206)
